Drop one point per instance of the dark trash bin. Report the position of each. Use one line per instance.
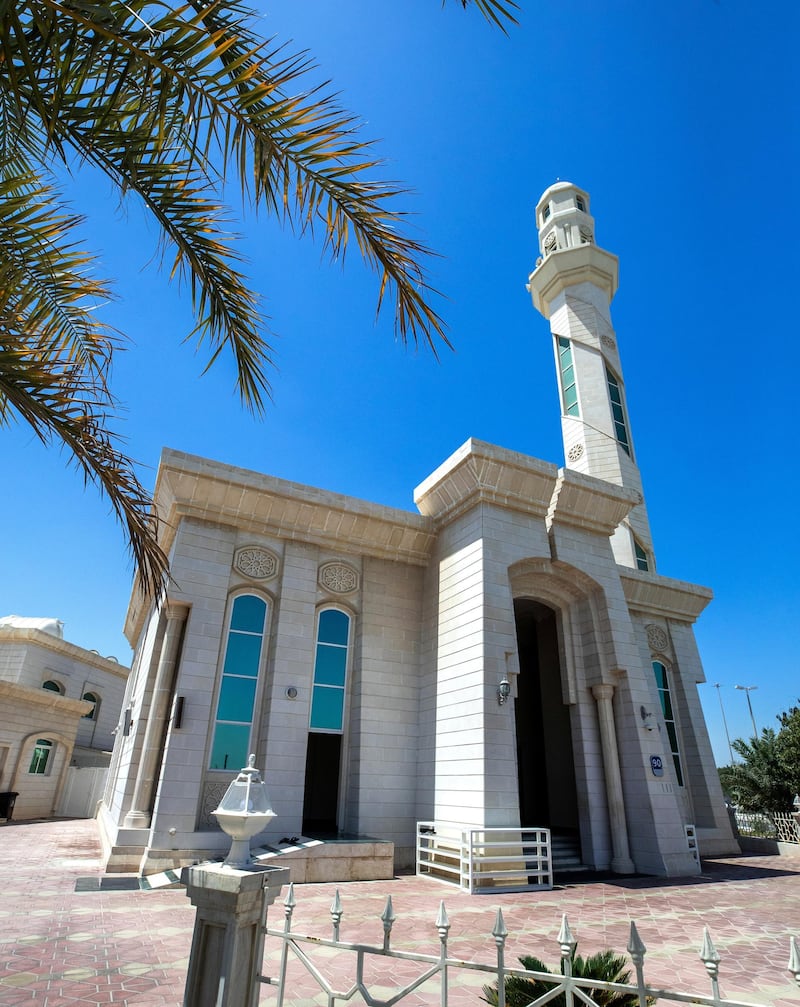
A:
(7, 799)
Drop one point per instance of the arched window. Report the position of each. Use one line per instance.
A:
(330, 671)
(642, 559)
(40, 760)
(569, 389)
(618, 411)
(91, 697)
(237, 694)
(52, 686)
(662, 684)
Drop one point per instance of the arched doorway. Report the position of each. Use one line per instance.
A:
(545, 763)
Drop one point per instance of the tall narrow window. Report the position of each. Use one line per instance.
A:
(91, 697)
(642, 559)
(330, 670)
(237, 694)
(618, 411)
(569, 389)
(662, 684)
(40, 759)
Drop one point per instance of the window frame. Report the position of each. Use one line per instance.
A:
(619, 415)
(222, 675)
(667, 692)
(48, 746)
(348, 648)
(641, 556)
(564, 352)
(51, 685)
(94, 699)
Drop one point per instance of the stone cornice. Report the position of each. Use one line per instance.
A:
(193, 487)
(480, 472)
(652, 594)
(52, 643)
(44, 698)
(569, 266)
(592, 504)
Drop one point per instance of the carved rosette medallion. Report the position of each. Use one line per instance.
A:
(657, 638)
(608, 342)
(575, 452)
(256, 562)
(339, 578)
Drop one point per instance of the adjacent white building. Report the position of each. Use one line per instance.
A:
(61, 705)
(364, 653)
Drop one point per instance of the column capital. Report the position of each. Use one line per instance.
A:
(603, 690)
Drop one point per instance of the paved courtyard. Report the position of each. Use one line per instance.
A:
(62, 946)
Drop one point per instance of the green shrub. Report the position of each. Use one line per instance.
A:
(605, 965)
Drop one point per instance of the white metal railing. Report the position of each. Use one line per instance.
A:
(480, 859)
(411, 970)
(779, 825)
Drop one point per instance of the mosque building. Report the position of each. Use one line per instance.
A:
(507, 657)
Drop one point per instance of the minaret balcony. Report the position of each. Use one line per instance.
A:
(569, 266)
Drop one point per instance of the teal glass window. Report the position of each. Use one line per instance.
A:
(664, 695)
(237, 694)
(569, 387)
(330, 671)
(642, 560)
(618, 411)
(545, 211)
(580, 203)
(40, 759)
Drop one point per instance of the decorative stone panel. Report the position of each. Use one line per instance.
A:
(212, 795)
(608, 341)
(338, 578)
(256, 562)
(657, 637)
(575, 452)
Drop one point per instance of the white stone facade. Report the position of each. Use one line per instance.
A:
(43, 682)
(513, 570)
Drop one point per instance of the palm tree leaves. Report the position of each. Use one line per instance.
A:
(605, 966)
(170, 100)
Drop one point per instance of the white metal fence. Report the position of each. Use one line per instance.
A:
(778, 825)
(485, 859)
(432, 975)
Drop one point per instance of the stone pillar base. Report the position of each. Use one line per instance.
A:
(228, 940)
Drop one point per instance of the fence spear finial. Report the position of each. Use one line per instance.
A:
(794, 959)
(387, 917)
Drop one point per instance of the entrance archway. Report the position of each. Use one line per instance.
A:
(545, 763)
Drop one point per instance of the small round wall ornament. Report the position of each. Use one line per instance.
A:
(608, 342)
(575, 452)
(339, 578)
(657, 638)
(255, 562)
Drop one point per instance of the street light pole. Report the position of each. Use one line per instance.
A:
(747, 689)
(717, 686)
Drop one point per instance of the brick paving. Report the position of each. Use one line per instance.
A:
(59, 946)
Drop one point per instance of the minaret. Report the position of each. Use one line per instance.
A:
(572, 285)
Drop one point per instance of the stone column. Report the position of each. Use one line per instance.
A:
(139, 815)
(621, 862)
(228, 940)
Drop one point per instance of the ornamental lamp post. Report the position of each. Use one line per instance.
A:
(243, 812)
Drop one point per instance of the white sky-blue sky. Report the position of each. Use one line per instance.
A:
(681, 121)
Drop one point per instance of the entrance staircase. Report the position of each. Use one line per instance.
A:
(565, 852)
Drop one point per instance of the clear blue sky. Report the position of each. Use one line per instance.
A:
(681, 121)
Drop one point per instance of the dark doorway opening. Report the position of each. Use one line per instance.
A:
(321, 800)
(547, 792)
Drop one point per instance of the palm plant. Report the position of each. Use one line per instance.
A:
(169, 99)
(605, 966)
